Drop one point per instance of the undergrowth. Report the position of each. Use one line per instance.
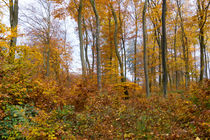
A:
(83, 114)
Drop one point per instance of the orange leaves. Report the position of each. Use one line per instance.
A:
(60, 13)
(105, 115)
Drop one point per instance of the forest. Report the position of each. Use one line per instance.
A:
(143, 73)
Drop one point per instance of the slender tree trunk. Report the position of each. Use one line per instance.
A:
(184, 45)
(13, 11)
(44, 60)
(175, 53)
(202, 13)
(160, 69)
(48, 59)
(170, 80)
(125, 57)
(68, 80)
(207, 70)
(135, 46)
(48, 43)
(93, 48)
(157, 37)
(153, 72)
(81, 38)
(117, 52)
(116, 45)
(86, 46)
(195, 64)
(202, 45)
(164, 45)
(206, 63)
(123, 41)
(110, 43)
(97, 44)
(145, 49)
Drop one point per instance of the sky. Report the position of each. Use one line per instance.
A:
(72, 35)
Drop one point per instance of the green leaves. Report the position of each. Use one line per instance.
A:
(15, 116)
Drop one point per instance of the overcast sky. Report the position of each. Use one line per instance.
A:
(72, 35)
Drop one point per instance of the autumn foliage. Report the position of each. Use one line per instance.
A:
(41, 98)
(81, 113)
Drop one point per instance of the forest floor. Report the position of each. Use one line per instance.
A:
(107, 116)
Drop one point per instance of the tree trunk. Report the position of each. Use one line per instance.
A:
(93, 48)
(81, 38)
(48, 38)
(175, 54)
(13, 11)
(153, 72)
(202, 13)
(135, 46)
(97, 44)
(163, 46)
(157, 37)
(206, 62)
(123, 41)
(110, 43)
(195, 67)
(145, 49)
(202, 45)
(116, 50)
(184, 45)
(86, 46)
(48, 60)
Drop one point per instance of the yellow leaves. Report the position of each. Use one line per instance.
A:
(129, 135)
(188, 102)
(21, 104)
(121, 109)
(46, 92)
(206, 124)
(197, 138)
(22, 110)
(2, 28)
(52, 137)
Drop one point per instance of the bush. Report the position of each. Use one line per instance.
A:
(15, 116)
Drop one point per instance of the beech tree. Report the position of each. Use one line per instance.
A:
(13, 12)
(84, 69)
(202, 15)
(145, 48)
(164, 45)
(116, 48)
(47, 33)
(97, 44)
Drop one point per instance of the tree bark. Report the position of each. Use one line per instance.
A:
(135, 46)
(86, 46)
(93, 48)
(202, 13)
(163, 46)
(13, 11)
(184, 41)
(48, 38)
(81, 38)
(123, 41)
(157, 37)
(116, 50)
(97, 44)
(110, 43)
(175, 53)
(145, 49)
